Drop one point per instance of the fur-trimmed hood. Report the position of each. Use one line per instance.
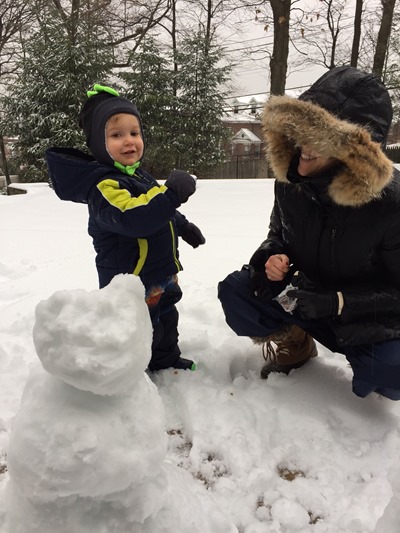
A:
(345, 115)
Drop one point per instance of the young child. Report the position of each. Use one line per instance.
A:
(133, 221)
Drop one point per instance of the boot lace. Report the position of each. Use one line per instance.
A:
(270, 353)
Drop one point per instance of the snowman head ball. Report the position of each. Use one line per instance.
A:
(98, 341)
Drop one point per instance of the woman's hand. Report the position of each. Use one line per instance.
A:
(277, 267)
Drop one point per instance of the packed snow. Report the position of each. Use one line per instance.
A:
(89, 442)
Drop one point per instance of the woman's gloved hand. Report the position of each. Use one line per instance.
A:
(313, 302)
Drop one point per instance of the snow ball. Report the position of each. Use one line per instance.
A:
(290, 514)
(98, 341)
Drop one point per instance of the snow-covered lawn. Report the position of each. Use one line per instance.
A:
(297, 453)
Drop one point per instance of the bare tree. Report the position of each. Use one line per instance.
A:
(383, 36)
(278, 12)
(125, 22)
(280, 52)
(318, 41)
(13, 17)
(131, 24)
(357, 33)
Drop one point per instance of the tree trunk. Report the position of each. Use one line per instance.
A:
(383, 36)
(174, 47)
(4, 158)
(357, 34)
(280, 52)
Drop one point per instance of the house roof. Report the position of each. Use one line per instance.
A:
(240, 117)
(250, 99)
(244, 135)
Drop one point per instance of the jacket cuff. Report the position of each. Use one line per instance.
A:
(172, 197)
(340, 302)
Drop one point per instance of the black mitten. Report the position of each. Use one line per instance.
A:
(182, 184)
(315, 304)
(192, 235)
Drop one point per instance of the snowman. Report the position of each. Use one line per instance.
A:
(90, 434)
(87, 452)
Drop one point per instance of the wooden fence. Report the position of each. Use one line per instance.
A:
(240, 168)
(393, 153)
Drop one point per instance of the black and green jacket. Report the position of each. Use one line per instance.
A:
(133, 220)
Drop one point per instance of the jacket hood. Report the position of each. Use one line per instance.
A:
(93, 118)
(73, 173)
(345, 115)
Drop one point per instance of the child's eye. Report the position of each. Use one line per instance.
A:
(115, 135)
(134, 133)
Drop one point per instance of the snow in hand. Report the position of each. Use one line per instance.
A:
(88, 443)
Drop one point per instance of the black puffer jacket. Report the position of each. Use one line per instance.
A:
(341, 229)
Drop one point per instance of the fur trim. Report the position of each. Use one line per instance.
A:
(289, 123)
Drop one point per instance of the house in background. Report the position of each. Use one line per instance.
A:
(249, 105)
(246, 143)
(245, 157)
(242, 117)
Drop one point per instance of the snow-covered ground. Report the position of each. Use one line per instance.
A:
(297, 453)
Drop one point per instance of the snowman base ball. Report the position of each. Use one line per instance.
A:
(67, 442)
(82, 515)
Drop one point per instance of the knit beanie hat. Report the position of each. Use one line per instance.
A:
(103, 103)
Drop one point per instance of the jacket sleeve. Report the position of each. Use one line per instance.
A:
(273, 244)
(370, 303)
(383, 297)
(135, 214)
(180, 222)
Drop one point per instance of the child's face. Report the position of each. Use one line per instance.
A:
(124, 142)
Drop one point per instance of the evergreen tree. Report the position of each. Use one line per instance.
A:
(43, 104)
(183, 131)
(150, 86)
(198, 133)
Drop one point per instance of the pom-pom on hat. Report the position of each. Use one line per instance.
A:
(103, 103)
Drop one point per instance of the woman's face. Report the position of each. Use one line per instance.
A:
(311, 162)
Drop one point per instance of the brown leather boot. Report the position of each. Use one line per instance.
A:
(294, 348)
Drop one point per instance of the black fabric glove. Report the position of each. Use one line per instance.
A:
(315, 304)
(182, 184)
(192, 235)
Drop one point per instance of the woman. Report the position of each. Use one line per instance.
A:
(336, 223)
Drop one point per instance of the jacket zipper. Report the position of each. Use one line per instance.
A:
(333, 235)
